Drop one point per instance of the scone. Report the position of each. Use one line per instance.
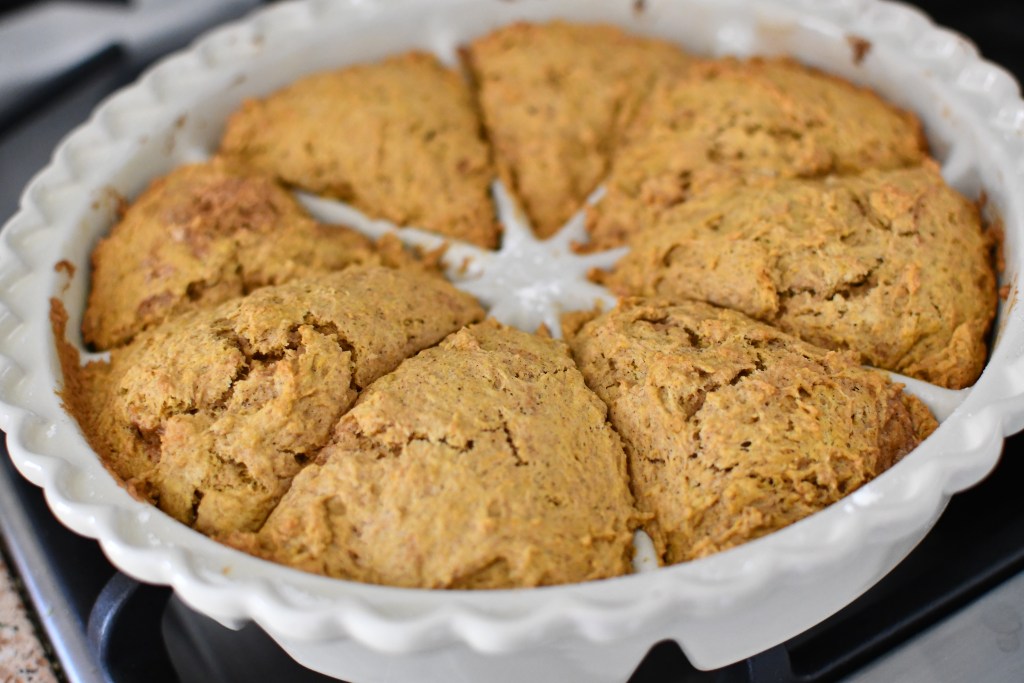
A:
(730, 123)
(210, 415)
(203, 234)
(484, 462)
(892, 264)
(733, 428)
(399, 140)
(555, 99)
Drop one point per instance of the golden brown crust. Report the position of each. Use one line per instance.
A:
(210, 415)
(734, 429)
(482, 463)
(317, 418)
(555, 98)
(731, 123)
(399, 140)
(201, 235)
(892, 264)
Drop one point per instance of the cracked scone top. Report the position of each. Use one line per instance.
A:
(484, 462)
(399, 140)
(278, 423)
(210, 415)
(729, 123)
(893, 264)
(734, 429)
(201, 235)
(555, 99)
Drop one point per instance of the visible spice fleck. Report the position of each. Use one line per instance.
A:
(120, 202)
(860, 47)
(65, 266)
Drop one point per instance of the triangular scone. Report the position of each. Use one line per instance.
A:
(730, 123)
(892, 264)
(399, 139)
(555, 98)
(733, 428)
(201, 235)
(484, 462)
(210, 415)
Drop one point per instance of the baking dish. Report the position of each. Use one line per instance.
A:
(721, 608)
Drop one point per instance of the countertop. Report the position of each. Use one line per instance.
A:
(22, 657)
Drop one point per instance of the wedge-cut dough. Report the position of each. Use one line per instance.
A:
(555, 99)
(733, 428)
(482, 463)
(731, 123)
(892, 264)
(203, 234)
(399, 139)
(210, 415)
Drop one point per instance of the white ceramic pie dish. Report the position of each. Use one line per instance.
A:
(719, 609)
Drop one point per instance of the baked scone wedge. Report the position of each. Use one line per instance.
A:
(484, 462)
(555, 99)
(399, 139)
(728, 123)
(892, 264)
(733, 428)
(210, 415)
(201, 235)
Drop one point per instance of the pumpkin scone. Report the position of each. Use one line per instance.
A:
(733, 428)
(555, 98)
(399, 140)
(893, 264)
(484, 462)
(729, 123)
(201, 235)
(210, 415)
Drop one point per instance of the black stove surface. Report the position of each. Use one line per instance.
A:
(103, 626)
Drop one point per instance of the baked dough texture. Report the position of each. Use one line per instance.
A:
(399, 140)
(555, 99)
(892, 264)
(201, 235)
(210, 415)
(484, 462)
(734, 429)
(730, 123)
(333, 404)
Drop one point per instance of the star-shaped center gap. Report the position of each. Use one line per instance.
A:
(526, 283)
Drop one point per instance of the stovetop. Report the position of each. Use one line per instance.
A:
(952, 611)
